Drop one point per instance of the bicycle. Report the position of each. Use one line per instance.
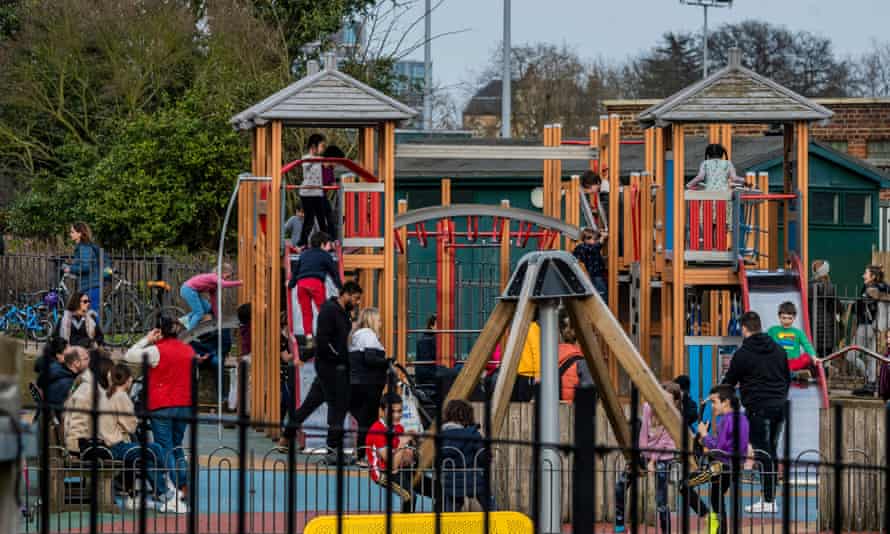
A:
(29, 318)
(121, 313)
(158, 308)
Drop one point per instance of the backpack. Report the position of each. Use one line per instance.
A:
(107, 270)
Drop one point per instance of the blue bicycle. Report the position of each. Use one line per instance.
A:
(27, 318)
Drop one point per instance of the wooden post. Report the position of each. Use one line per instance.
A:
(594, 143)
(660, 208)
(573, 206)
(547, 182)
(789, 155)
(726, 139)
(714, 134)
(646, 228)
(388, 175)
(366, 158)
(402, 274)
(803, 187)
(614, 187)
(258, 297)
(678, 265)
(446, 288)
(767, 241)
(273, 247)
(556, 178)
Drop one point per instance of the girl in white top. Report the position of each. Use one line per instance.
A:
(716, 171)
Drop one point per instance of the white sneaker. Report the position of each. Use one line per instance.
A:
(130, 503)
(761, 507)
(172, 506)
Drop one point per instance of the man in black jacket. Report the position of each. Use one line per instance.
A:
(60, 376)
(332, 359)
(760, 368)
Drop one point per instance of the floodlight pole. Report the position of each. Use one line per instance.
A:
(705, 4)
(705, 45)
(506, 76)
(428, 68)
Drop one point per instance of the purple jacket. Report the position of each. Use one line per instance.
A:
(723, 441)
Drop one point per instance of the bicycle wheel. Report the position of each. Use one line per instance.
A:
(121, 319)
(151, 320)
(41, 330)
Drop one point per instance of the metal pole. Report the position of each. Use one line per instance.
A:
(246, 177)
(506, 76)
(428, 68)
(705, 44)
(551, 475)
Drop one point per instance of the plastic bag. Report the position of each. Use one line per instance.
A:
(410, 414)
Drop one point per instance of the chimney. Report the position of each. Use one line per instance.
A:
(735, 57)
(311, 67)
(330, 61)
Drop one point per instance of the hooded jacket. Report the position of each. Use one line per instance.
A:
(760, 368)
(463, 461)
(59, 380)
(367, 359)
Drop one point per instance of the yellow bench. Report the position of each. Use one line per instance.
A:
(452, 523)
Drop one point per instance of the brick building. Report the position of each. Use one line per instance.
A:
(860, 126)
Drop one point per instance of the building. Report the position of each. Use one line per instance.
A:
(409, 85)
(482, 114)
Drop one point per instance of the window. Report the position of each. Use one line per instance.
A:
(857, 208)
(839, 145)
(824, 208)
(879, 149)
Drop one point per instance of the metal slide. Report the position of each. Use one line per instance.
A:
(763, 292)
(588, 213)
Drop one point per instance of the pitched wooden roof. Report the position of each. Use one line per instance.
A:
(325, 98)
(734, 94)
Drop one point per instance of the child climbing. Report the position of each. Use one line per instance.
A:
(590, 253)
(797, 345)
(311, 193)
(308, 275)
(207, 284)
(716, 171)
(658, 452)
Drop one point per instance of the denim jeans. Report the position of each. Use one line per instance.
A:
(198, 307)
(662, 476)
(131, 455)
(168, 434)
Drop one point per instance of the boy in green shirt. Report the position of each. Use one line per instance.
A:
(797, 346)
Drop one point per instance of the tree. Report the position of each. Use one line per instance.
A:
(872, 71)
(669, 67)
(802, 61)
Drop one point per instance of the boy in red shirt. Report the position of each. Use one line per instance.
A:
(376, 445)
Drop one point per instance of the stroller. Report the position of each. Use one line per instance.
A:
(414, 396)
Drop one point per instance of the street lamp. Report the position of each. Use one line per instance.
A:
(705, 4)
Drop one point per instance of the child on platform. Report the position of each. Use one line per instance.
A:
(590, 253)
(716, 171)
(797, 346)
(207, 284)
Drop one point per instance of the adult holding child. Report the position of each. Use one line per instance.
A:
(170, 368)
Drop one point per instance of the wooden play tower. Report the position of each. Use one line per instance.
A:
(324, 99)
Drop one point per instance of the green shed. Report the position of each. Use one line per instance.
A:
(844, 207)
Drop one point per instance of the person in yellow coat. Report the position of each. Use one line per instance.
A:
(529, 364)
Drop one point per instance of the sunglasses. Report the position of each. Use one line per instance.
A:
(84, 301)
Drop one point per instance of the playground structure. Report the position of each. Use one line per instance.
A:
(666, 244)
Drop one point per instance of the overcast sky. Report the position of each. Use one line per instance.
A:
(618, 28)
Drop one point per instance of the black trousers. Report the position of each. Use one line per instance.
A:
(313, 401)
(333, 378)
(766, 425)
(315, 210)
(364, 403)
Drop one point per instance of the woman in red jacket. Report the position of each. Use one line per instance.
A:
(170, 366)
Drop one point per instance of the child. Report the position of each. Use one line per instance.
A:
(117, 426)
(204, 283)
(592, 184)
(311, 194)
(690, 407)
(308, 274)
(658, 452)
(795, 342)
(378, 449)
(573, 371)
(732, 435)
(328, 178)
(294, 227)
(716, 171)
(463, 458)
(590, 253)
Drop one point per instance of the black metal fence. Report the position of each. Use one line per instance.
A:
(235, 483)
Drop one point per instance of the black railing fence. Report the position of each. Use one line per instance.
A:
(233, 482)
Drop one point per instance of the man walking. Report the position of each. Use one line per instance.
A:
(760, 369)
(332, 359)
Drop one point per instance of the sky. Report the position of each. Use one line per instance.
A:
(617, 29)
